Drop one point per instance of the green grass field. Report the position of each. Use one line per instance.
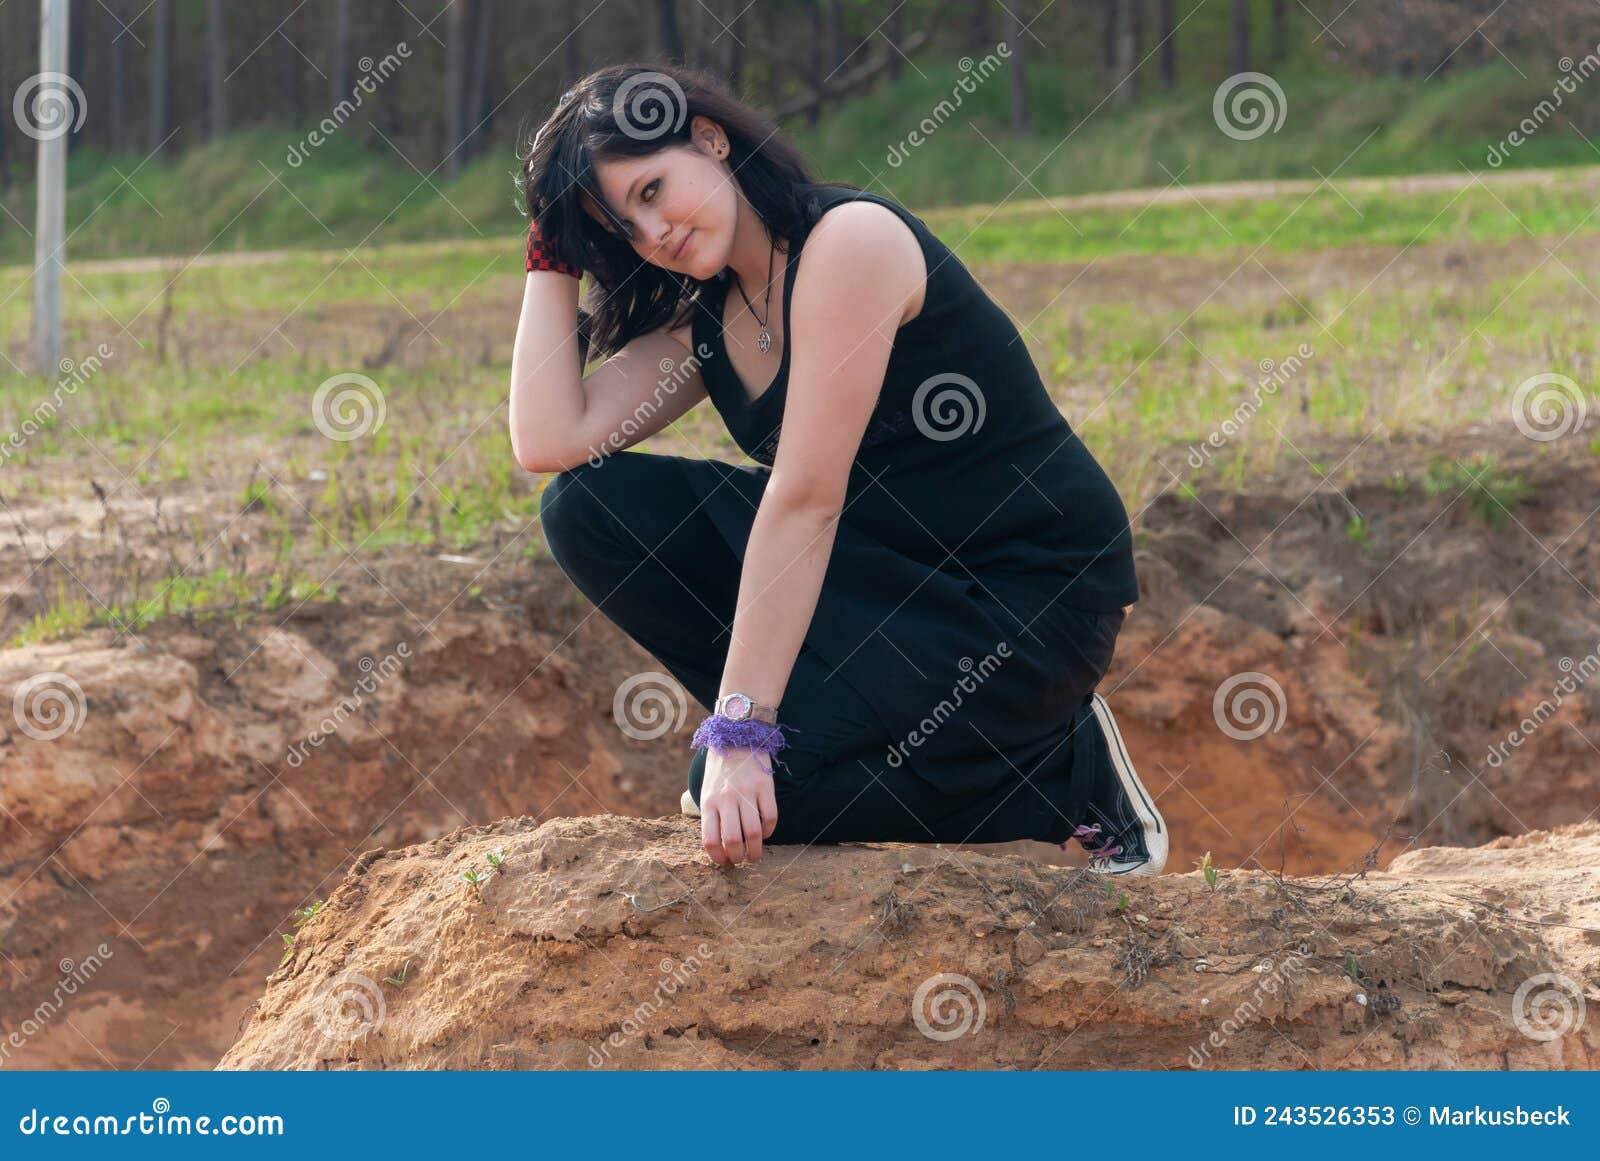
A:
(1422, 303)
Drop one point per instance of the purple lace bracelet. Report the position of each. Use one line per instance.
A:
(719, 733)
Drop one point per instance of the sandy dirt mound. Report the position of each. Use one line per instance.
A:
(163, 809)
(611, 942)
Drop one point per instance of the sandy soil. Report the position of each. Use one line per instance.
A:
(172, 826)
(611, 943)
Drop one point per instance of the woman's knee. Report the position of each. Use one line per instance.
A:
(566, 503)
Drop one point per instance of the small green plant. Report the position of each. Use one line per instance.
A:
(1208, 869)
(1351, 968)
(1489, 491)
(1122, 900)
(477, 878)
(399, 978)
(1397, 483)
(255, 496)
(1358, 529)
(306, 913)
(288, 947)
(496, 858)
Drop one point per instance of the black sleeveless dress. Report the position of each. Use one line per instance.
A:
(975, 524)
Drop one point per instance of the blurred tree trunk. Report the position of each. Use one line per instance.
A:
(816, 65)
(1108, 44)
(77, 43)
(571, 45)
(1123, 93)
(1169, 46)
(1280, 31)
(117, 126)
(455, 86)
(160, 91)
(5, 125)
(216, 59)
(1241, 36)
(894, 32)
(339, 57)
(291, 74)
(390, 29)
(733, 66)
(834, 18)
(480, 116)
(981, 29)
(1021, 113)
(669, 39)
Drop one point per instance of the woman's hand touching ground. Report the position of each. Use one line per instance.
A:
(738, 805)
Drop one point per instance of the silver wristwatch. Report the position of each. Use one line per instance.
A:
(739, 707)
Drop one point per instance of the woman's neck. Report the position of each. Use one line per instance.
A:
(756, 257)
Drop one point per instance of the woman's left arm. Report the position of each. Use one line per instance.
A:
(860, 273)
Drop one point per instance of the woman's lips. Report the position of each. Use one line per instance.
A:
(683, 245)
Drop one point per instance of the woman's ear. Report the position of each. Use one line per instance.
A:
(709, 137)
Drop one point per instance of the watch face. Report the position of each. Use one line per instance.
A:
(736, 707)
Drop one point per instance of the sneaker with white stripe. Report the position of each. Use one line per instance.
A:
(1139, 847)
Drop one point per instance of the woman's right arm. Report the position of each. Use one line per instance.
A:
(559, 417)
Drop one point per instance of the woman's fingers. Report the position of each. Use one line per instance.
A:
(750, 815)
(711, 832)
(767, 799)
(732, 832)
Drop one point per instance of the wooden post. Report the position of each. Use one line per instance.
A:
(50, 218)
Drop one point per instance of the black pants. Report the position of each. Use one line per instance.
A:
(629, 533)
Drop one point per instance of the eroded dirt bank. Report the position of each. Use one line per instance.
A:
(610, 942)
(173, 810)
(169, 824)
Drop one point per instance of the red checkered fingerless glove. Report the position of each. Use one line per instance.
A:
(542, 256)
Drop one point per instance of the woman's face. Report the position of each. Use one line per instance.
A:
(677, 205)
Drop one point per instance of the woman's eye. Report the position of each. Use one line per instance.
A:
(648, 188)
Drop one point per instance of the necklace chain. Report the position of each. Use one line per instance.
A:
(764, 338)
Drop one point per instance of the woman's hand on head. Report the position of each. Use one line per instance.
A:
(738, 805)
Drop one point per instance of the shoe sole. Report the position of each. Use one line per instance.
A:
(687, 805)
(1155, 827)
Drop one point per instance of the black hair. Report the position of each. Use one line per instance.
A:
(632, 110)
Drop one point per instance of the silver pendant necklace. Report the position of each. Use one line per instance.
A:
(764, 338)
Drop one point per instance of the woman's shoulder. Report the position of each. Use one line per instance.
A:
(882, 231)
(823, 197)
